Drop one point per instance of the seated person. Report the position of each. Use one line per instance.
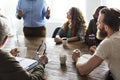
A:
(91, 31)
(10, 69)
(74, 28)
(109, 49)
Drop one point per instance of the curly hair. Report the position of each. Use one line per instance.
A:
(77, 21)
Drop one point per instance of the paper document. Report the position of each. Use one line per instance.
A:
(27, 63)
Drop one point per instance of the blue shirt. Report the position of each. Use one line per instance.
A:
(33, 12)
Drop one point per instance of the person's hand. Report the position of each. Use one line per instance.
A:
(58, 40)
(48, 13)
(43, 59)
(14, 52)
(93, 48)
(20, 12)
(76, 54)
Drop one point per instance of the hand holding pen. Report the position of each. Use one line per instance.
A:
(42, 58)
(38, 54)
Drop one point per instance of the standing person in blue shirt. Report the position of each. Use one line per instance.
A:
(33, 13)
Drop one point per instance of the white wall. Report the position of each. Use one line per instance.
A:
(91, 6)
(8, 9)
(50, 27)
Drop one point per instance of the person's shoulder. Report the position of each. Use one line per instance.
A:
(92, 21)
(116, 35)
(3, 53)
(106, 42)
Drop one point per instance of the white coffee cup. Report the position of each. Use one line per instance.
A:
(63, 58)
(64, 41)
(22, 51)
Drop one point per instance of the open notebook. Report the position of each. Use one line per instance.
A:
(26, 63)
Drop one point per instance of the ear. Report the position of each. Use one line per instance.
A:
(106, 28)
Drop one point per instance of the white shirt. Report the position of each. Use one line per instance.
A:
(109, 50)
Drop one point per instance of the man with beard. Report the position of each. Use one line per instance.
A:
(101, 34)
(109, 49)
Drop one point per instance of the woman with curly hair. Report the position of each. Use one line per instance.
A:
(74, 28)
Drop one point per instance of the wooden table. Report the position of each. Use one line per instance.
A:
(54, 70)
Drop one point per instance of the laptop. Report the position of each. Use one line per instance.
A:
(27, 63)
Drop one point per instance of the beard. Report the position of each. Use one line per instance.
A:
(101, 33)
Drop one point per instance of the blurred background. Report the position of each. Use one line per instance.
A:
(58, 8)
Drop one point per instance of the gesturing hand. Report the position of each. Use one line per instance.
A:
(48, 13)
(14, 52)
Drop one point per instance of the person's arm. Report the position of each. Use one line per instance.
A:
(38, 72)
(19, 12)
(71, 39)
(86, 66)
(59, 35)
(93, 48)
(79, 35)
(58, 39)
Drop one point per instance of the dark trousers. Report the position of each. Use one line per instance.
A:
(34, 31)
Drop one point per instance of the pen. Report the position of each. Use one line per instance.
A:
(36, 57)
(37, 52)
(45, 48)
